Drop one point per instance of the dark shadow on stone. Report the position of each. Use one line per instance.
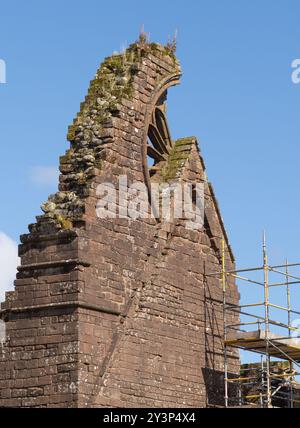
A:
(215, 388)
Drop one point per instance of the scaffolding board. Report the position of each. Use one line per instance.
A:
(281, 348)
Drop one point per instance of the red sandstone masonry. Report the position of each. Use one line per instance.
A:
(114, 312)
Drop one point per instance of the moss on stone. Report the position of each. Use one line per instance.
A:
(67, 157)
(177, 160)
(65, 223)
(114, 81)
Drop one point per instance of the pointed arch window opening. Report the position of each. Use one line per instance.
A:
(159, 142)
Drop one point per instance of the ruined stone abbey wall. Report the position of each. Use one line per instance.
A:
(117, 312)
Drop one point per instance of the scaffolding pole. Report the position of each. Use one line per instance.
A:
(289, 307)
(267, 318)
(225, 323)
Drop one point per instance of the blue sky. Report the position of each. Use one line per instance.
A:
(236, 96)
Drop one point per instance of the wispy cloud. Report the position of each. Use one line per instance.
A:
(44, 175)
(9, 261)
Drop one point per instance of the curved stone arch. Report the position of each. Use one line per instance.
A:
(127, 85)
(162, 88)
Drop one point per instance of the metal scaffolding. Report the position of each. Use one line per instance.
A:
(270, 383)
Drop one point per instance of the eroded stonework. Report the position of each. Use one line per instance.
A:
(118, 313)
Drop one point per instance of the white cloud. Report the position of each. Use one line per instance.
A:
(9, 261)
(44, 175)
